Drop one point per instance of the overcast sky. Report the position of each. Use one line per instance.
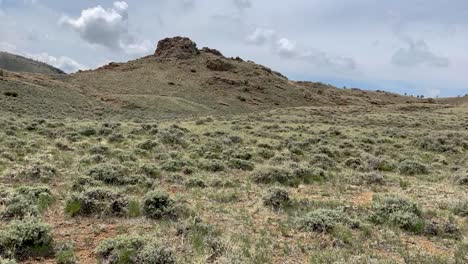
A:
(413, 46)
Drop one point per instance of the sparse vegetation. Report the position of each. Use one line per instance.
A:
(26, 238)
(134, 249)
(149, 172)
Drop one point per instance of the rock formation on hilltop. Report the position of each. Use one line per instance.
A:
(177, 47)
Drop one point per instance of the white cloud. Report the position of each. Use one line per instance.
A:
(64, 63)
(261, 36)
(106, 27)
(418, 53)
(289, 49)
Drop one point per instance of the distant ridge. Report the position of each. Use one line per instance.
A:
(178, 80)
(17, 63)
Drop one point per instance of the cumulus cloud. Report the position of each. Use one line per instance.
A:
(418, 53)
(287, 48)
(290, 49)
(261, 36)
(105, 27)
(64, 63)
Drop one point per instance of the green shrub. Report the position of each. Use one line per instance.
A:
(195, 183)
(307, 175)
(26, 201)
(266, 153)
(26, 238)
(412, 167)
(298, 175)
(322, 161)
(157, 205)
(133, 250)
(461, 179)
(65, 254)
(147, 145)
(96, 201)
(177, 165)
(461, 208)
(110, 173)
(442, 229)
(399, 212)
(276, 198)
(151, 170)
(173, 136)
(87, 131)
(324, 220)
(271, 175)
(212, 165)
(240, 164)
(461, 254)
(38, 171)
(81, 183)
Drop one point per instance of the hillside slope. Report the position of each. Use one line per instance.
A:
(179, 80)
(16, 63)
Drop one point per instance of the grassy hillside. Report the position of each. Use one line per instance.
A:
(348, 184)
(16, 63)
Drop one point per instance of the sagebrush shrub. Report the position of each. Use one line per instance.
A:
(412, 167)
(212, 165)
(276, 198)
(157, 205)
(87, 131)
(38, 171)
(241, 164)
(26, 201)
(26, 238)
(461, 179)
(151, 170)
(322, 161)
(324, 220)
(110, 173)
(461, 208)
(265, 153)
(195, 183)
(177, 165)
(134, 250)
(96, 201)
(399, 212)
(65, 254)
(270, 175)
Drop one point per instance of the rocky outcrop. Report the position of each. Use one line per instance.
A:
(177, 47)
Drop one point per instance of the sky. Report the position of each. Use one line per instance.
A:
(407, 46)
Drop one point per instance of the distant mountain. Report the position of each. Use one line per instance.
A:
(16, 63)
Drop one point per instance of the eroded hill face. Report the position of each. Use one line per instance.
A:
(16, 63)
(180, 80)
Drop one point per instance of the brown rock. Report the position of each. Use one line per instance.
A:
(219, 65)
(177, 47)
(213, 51)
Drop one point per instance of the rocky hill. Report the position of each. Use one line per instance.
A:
(16, 63)
(179, 80)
